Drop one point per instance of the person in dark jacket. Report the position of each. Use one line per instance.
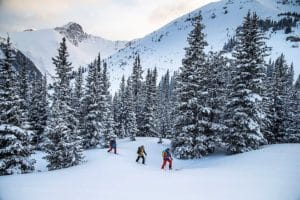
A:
(167, 157)
(141, 154)
(112, 145)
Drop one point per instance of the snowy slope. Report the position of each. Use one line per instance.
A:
(271, 173)
(164, 48)
(41, 45)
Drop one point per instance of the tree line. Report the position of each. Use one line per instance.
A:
(237, 104)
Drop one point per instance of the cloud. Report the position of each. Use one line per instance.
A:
(173, 9)
(113, 19)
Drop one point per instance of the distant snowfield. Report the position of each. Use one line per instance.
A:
(270, 173)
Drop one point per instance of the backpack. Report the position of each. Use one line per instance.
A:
(164, 154)
(139, 150)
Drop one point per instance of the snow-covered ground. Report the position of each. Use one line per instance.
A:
(269, 173)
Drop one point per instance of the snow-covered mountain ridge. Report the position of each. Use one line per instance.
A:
(41, 45)
(164, 48)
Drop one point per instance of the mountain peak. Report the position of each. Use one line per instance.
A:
(73, 32)
(73, 26)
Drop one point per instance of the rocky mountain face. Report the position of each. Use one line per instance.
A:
(73, 32)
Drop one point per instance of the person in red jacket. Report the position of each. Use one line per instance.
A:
(167, 157)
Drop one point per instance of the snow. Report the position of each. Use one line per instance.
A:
(271, 172)
(164, 48)
(4, 127)
(2, 56)
(41, 45)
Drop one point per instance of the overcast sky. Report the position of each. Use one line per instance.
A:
(111, 19)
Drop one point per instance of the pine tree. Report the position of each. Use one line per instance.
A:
(187, 139)
(173, 101)
(116, 115)
(77, 101)
(107, 120)
(292, 108)
(120, 110)
(148, 123)
(137, 91)
(297, 109)
(92, 127)
(100, 90)
(78, 94)
(64, 148)
(293, 130)
(284, 104)
(244, 111)
(38, 111)
(163, 106)
(267, 102)
(213, 98)
(130, 117)
(15, 146)
(155, 102)
(24, 94)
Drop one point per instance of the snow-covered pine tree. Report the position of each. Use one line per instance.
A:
(24, 94)
(120, 110)
(38, 110)
(294, 114)
(122, 115)
(148, 125)
(186, 141)
(15, 146)
(213, 97)
(107, 120)
(137, 91)
(296, 107)
(64, 148)
(164, 107)
(91, 133)
(99, 88)
(77, 101)
(267, 102)
(279, 99)
(130, 118)
(154, 95)
(173, 102)
(292, 109)
(244, 108)
(284, 103)
(116, 114)
(78, 94)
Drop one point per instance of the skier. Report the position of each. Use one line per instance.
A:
(112, 145)
(167, 157)
(141, 154)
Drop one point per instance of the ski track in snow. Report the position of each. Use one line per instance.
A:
(269, 173)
